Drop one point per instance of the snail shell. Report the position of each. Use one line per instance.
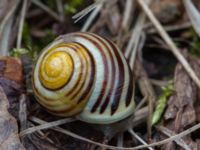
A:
(85, 75)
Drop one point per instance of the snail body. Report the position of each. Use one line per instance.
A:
(84, 75)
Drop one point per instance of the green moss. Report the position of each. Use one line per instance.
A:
(17, 52)
(31, 45)
(71, 6)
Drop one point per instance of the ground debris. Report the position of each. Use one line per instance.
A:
(9, 139)
(167, 11)
(137, 34)
(181, 112)
(34, 142)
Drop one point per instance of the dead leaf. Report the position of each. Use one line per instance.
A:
(11, 68)
(11, 80)
(9, 139)
(181, 112)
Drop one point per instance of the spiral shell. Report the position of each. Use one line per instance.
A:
(85, 75)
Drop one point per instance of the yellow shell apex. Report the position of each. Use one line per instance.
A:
(55, 70)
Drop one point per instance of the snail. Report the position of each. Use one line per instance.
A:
(84, 75)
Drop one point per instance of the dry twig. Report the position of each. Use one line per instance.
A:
(174, 137)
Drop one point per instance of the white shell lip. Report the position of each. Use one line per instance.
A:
(106, 118)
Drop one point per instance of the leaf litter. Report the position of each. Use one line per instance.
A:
(178, 119)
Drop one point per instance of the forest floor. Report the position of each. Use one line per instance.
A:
(160, 41)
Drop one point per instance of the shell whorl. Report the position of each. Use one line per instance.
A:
(85, 75)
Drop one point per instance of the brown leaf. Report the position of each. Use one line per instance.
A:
(11, 68)
(11, 80)
(9, 139)
(183, 106)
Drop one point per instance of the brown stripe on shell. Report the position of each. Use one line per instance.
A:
(130, 89)
(33, 86)
(99, 99)
(61, 112)
(105, 103)
(79, 76)
(118, 91)
(41, 97)
(92, 78)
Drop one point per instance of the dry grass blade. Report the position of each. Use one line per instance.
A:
(91, 18)
(139, 138)
(42, 134)
(171, 28)
(87, 10)
(132, 46)
(4, 39)
(5, 29)
(45, 126)
(61, 130)
(47, 9)
(120, 140)
(178, 136)
(174, 137)
(169, 133)
(134, 41)
(21, 23)
(127, 17)
(60, 9)
(193, 14)
(169, 42)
